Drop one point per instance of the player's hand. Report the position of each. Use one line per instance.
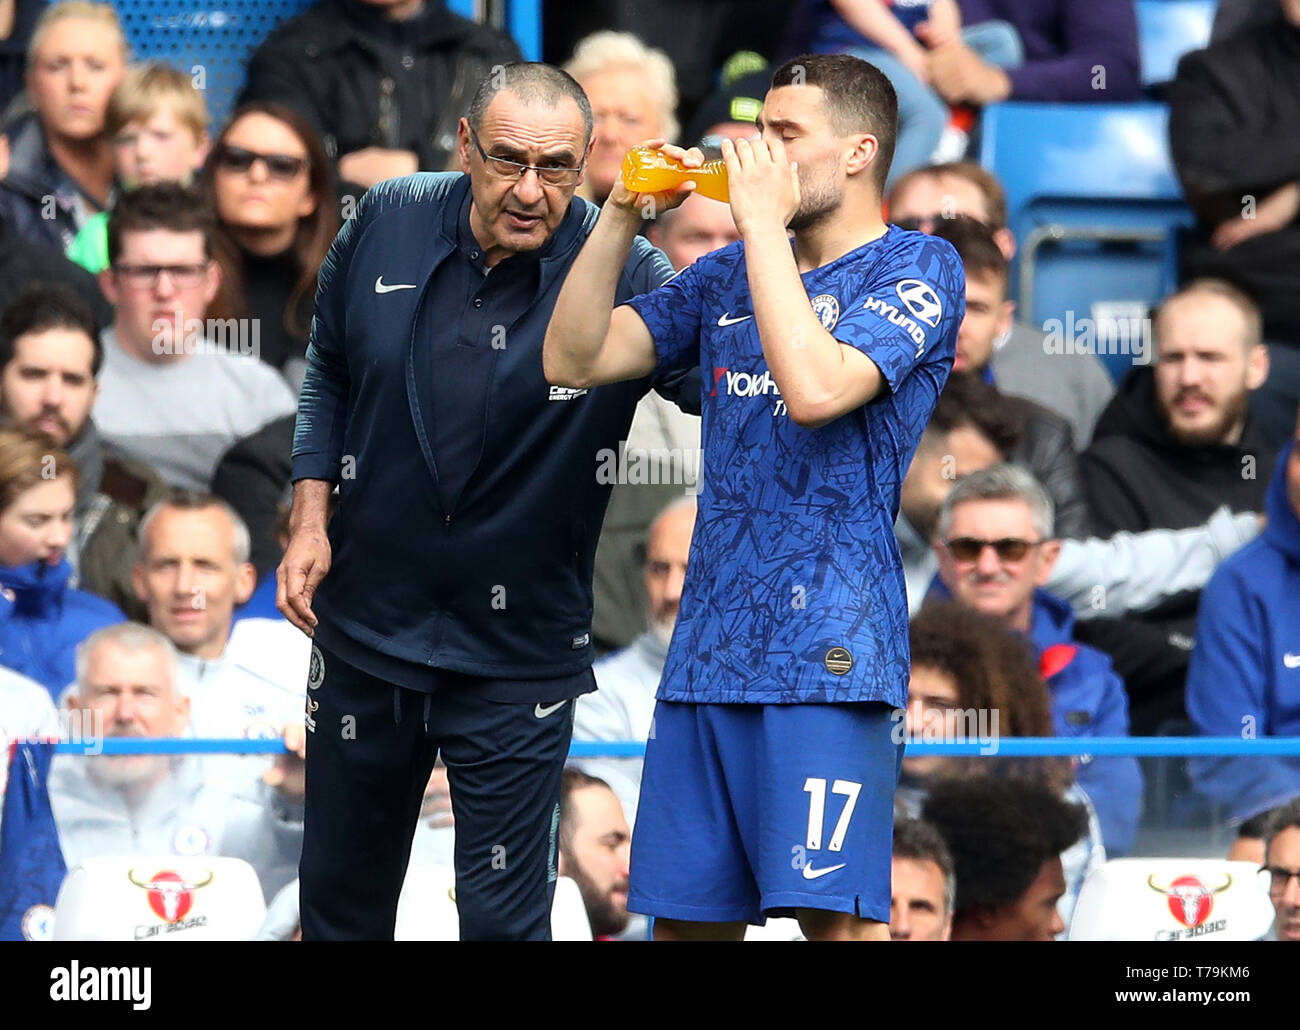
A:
(762, 182)
(305, 563)
(288, 774)
(651, 205)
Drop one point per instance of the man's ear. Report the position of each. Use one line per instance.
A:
(864, 154)
(1257, 367)
(463, 143)
(108, 285)
(1051, 550)
(245, 582)
(1006, 241)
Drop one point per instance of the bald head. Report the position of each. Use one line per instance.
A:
(668, 549)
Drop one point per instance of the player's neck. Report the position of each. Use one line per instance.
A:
(838, 233)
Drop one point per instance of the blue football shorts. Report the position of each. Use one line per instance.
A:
(749, 811)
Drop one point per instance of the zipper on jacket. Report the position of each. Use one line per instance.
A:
(446, 522)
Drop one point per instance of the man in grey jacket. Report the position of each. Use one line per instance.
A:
(159, 804)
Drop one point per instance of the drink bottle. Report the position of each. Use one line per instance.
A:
(652, 171)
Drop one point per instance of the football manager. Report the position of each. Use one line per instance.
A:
(449, 597)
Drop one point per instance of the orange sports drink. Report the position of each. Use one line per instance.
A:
(652, 171)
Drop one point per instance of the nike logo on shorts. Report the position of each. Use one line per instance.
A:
(542, 713)
(809, 873)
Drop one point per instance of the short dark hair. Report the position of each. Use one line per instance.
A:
(858, 98)
(1000, 832)
(571, 781)
(530, 81)
(967, 400)
(163, 205)
(995, 197)
(921, 842)
(1285, 817)
(41, 306)
(979, 251)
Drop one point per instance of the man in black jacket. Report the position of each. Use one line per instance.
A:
(384, 81)
(449, 599)
(1175, 443)
(1046, 447)
(1234, 128)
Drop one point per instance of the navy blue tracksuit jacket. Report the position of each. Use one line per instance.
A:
(501, 585)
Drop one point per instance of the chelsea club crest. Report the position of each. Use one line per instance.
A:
(827, 310)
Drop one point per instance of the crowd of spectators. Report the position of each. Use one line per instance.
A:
(1082, 557)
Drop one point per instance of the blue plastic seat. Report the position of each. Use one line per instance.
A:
(1095, 206)
(1167, 29)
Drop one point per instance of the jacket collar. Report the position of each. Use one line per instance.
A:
(38, 587)
(554, 255)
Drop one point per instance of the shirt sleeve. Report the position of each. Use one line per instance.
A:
(322, 403)
(672, 314)
(910, 311)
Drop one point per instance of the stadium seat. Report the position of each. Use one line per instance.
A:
(159, 898)
(426, 910)
(1172, 899)
(1167, 29)
(1095, 205)
(213, 41)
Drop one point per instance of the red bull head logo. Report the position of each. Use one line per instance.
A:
(1190, 901)
(170, 896)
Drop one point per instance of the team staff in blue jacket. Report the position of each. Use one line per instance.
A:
(995, 549)
(456, 613)
(1244, 679)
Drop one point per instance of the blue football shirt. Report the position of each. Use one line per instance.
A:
(794, 592)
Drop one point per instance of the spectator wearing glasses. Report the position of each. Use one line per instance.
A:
(1282, 869)
(633, 93)
(169, 395)
(425, 397)
(996, 550)
(1074, 385)
(271, 186)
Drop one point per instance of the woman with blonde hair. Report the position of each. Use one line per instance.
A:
(42, 618)
(633, 94)
(60, 160)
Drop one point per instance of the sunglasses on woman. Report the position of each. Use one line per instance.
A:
(278, 166)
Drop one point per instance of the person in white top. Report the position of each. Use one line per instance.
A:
(622, 707)
(193, 572)
(116, 805)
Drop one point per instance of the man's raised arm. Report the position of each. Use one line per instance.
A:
(588, 341)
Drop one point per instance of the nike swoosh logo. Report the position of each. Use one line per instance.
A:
(382, 287)
(542, 713)
(809, 873)
(1291, 661)
(725, 319)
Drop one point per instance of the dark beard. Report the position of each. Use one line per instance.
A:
(1215, 434)
(606, 918)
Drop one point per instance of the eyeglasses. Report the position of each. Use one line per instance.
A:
(504, 168)
(1278, 878)
(278, 166)
(1008, 549)
(183, 277)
